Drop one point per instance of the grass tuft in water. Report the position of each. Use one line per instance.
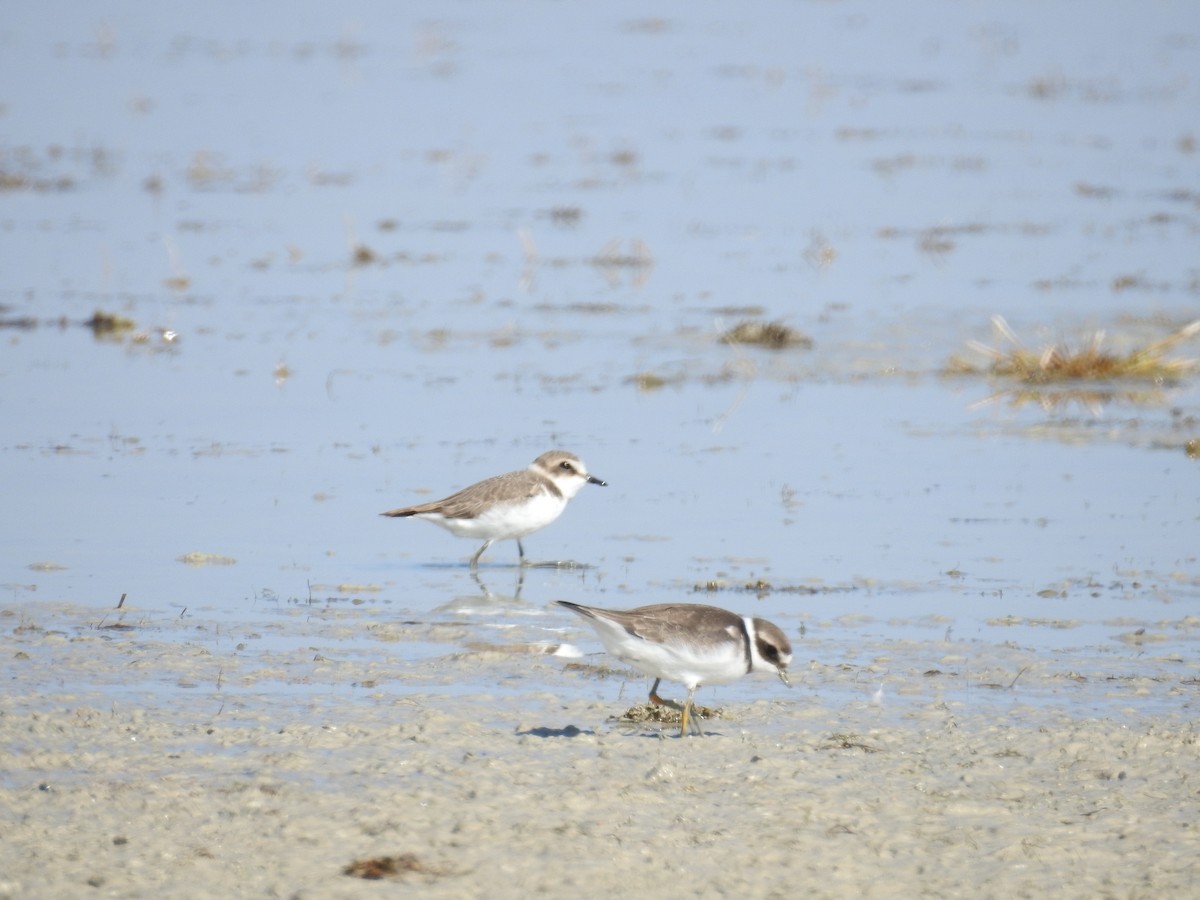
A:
(772, 335)
(106, 323)
(1058, 362)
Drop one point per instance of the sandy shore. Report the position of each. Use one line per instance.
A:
(139, 766)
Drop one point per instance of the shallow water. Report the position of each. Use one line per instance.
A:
(556, 202)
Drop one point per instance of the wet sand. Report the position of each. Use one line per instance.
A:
(135, 765)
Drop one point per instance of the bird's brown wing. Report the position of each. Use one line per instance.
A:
(467, 503)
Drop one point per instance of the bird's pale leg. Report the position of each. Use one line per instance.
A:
(660, 701)
(479, 553)
(685, 709)
(687, 717)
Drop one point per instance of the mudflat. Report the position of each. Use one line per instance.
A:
(130, 770)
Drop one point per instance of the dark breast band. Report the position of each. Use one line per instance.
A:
(746, 645)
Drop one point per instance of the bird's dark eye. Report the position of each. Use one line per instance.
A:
(565, 465)
(769, 652)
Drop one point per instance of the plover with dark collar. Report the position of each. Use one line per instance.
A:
(689, 643)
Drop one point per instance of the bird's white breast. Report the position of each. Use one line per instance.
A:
(505, 521)
(689, 663)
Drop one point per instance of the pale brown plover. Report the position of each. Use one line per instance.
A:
(689, 643)
(510, 506)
